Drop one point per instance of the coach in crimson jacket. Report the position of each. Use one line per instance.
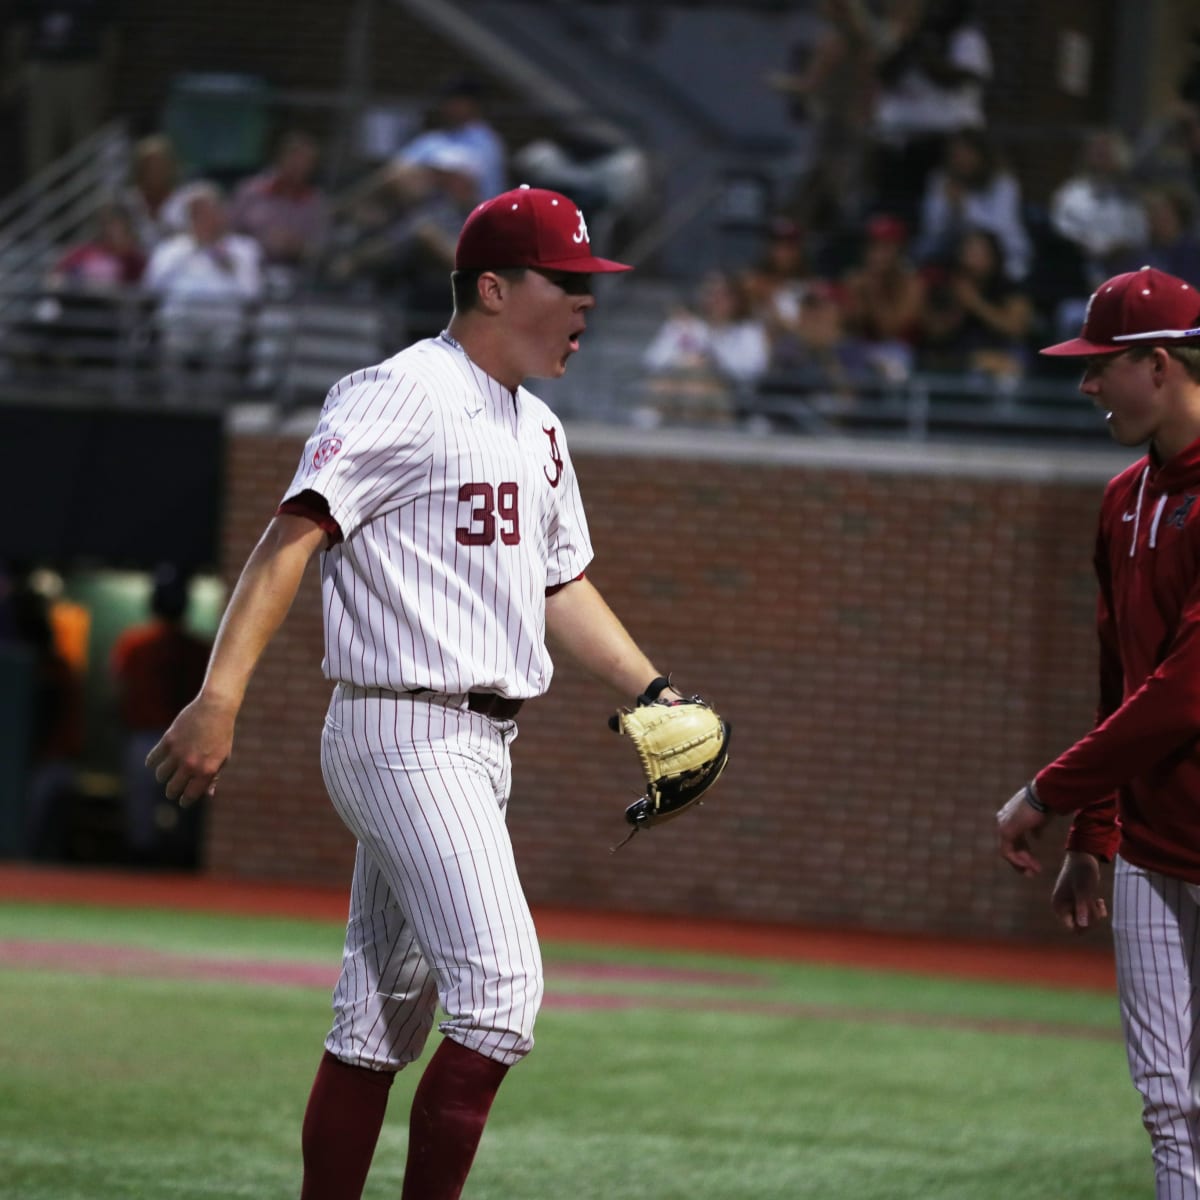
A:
(1133, 782)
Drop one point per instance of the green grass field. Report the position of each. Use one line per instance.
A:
(753, 1080)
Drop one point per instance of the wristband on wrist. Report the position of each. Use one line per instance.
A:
(654, 689)
(1031, 798)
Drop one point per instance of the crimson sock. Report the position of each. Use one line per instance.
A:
(341, 1126)
(448, 1114)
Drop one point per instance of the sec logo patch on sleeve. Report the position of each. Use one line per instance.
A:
(326, 452)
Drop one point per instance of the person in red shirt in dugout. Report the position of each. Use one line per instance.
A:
(1133, 782)
(157, 667)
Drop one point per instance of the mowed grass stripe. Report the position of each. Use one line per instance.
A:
(662, 989)
(608, 970)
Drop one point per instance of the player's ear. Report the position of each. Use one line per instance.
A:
(492, 289)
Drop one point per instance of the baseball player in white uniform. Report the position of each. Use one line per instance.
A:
(1133, 782)
(441, 498)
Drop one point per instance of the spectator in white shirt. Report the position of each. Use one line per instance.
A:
(206, 280)
(931, 85)
(1099, 208)
(973, 190)
(702, 359)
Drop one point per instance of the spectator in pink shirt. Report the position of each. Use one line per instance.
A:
(105, 262)
(282, 208)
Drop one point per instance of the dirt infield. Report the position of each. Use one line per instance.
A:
(1068, 964)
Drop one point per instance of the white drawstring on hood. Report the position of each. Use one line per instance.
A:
(1137, 518)
(1158, 512)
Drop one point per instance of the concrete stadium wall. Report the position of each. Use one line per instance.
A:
(899, 635)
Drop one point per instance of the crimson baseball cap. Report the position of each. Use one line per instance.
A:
(883, 227)
(529, 227)
(1140, 306)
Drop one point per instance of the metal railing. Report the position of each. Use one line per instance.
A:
(57, 203)
(123, 346)
(926, 405)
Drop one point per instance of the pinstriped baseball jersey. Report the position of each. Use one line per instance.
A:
(459, 507)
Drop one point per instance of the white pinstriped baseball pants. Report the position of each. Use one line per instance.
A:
(436, 909)
(1156, 930)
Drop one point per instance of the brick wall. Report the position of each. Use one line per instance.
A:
(900, 637)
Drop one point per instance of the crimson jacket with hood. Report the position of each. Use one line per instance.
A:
(1135, 779)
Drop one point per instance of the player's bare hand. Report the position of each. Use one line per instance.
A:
(1017, 823)
(192, 752)
(1076, 898)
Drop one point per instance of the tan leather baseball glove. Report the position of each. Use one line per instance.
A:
(682, 745)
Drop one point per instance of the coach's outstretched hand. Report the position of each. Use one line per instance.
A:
(1076, 898)
(192, 752)
(1016, 823)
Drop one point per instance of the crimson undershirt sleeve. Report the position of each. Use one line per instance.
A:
(1094, 829)
(314, 506)
(558, 587)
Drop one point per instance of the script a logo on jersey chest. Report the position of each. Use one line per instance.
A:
(556, 459)
(1177, 516)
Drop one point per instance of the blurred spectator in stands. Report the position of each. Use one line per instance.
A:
(1173, 243)
(400, 234)
(830, 87)
(157, 667)
(1057, 285)
(62, 54)
(703, 358)
(976, 319)
(1099, 209)
(206, 280)
(106, 262)
(884, 297)
(283, 209)
(973, 190)
(608, 179)
(821, 356)
(1168, 146)
(85, 307)
(457, 121)
(56, 723)
(776, 283)
(931, 85)
(153, 197)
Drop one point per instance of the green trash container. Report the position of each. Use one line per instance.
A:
(219, 123)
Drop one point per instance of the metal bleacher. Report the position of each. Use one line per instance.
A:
(607, 383)
(75, 347)
(60, 344)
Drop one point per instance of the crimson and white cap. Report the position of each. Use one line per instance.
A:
(529, 227)
(1140, 306)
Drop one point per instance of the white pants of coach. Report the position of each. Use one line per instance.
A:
(1156, 930)
(436, 909)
